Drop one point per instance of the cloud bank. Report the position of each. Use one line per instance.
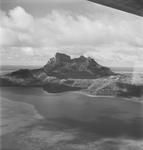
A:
(109, 39)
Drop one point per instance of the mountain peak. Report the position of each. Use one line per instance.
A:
(62, 66)
(61, 57)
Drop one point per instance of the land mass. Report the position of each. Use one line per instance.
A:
(62, 73)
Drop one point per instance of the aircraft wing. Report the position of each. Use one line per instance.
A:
(131, 6)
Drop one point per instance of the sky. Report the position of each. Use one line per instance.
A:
(32, 31)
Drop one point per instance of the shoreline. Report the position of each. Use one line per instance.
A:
(133, 99)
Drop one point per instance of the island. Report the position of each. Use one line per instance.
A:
(84, 74)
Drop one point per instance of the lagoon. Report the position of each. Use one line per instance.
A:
(106, 116)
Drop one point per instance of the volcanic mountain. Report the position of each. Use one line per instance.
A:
(59, 68)
(62, 73)
(62, 66)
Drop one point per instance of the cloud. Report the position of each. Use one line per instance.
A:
(20, 19)
(108, 38)
(15, 27)
(62, 28)
(28, 50)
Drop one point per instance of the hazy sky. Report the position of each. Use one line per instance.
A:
(31, 31)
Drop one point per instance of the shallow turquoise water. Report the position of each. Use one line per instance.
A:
(104, 116)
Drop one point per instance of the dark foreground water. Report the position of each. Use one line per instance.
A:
(95, 118)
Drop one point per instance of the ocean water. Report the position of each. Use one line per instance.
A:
(4, 69)
(97, 118)
(32, 119)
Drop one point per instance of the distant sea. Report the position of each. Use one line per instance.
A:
(127, 69)
(9, 68)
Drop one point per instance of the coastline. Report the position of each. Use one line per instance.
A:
(133, 99)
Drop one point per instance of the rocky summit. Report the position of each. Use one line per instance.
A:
(62, 66)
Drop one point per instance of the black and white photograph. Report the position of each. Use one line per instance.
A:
(71, 74)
